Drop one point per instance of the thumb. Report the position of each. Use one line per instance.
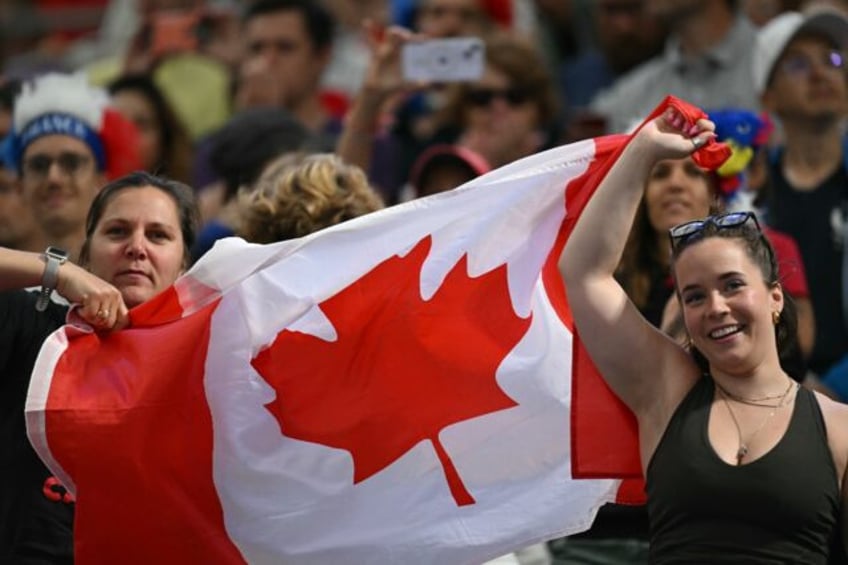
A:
(123, 319)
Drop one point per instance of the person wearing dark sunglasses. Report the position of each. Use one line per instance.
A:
(722, 426)
(508, 112)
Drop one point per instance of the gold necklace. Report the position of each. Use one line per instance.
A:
(761, 401)
(743, 447)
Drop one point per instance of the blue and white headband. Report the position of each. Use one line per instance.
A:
(55, 123)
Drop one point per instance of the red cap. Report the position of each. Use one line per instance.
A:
(442, 153)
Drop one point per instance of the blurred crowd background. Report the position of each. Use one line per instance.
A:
(287, 116)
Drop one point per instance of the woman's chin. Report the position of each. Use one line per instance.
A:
(133, 295)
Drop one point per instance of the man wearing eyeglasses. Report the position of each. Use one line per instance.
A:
(61, 150)
(800, 73)
(60, 178)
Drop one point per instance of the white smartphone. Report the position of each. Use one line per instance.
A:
(455, 59)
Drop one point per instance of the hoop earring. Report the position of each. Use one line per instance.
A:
(775, 317)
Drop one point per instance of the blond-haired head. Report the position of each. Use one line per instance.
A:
(299, 194)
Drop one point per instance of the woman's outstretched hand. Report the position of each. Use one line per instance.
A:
(100, 303)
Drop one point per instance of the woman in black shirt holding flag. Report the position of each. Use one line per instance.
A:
(741, 464)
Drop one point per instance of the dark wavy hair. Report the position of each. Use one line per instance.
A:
(760, 251)
(182, 195)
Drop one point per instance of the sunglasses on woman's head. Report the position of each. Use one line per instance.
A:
(686, 231)
(514, 96)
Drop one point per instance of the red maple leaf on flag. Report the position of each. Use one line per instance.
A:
(401, 369)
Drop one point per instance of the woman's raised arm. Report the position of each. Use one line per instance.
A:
(636, 359)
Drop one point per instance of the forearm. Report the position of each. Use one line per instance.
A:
(20, 269)
(597, 242)
(356, 141)
(101, 304)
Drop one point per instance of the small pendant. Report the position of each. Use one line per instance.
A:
(741, 453)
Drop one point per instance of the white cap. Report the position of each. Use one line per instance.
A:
(773, 38)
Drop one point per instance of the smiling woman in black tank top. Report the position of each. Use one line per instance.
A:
(742, 465)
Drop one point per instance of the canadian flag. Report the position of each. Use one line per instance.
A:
(395, 389)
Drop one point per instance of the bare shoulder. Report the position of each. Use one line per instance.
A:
(835, 416)
(834, 411)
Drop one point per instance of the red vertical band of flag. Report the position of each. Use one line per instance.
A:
(174, 443)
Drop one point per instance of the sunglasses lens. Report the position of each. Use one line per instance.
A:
(686, 229)
(481, 97)
(732, 220)
(516, 96)
(485, 96)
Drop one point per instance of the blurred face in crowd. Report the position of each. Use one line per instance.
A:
(627, 33)
(137, 245)
(809, 81)
(17, 227)
(278, 44)
(504, 118)
(138, 109)
(60, 179)
(451, 18)
(678, 191)
(494, 102)
(16, 223)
